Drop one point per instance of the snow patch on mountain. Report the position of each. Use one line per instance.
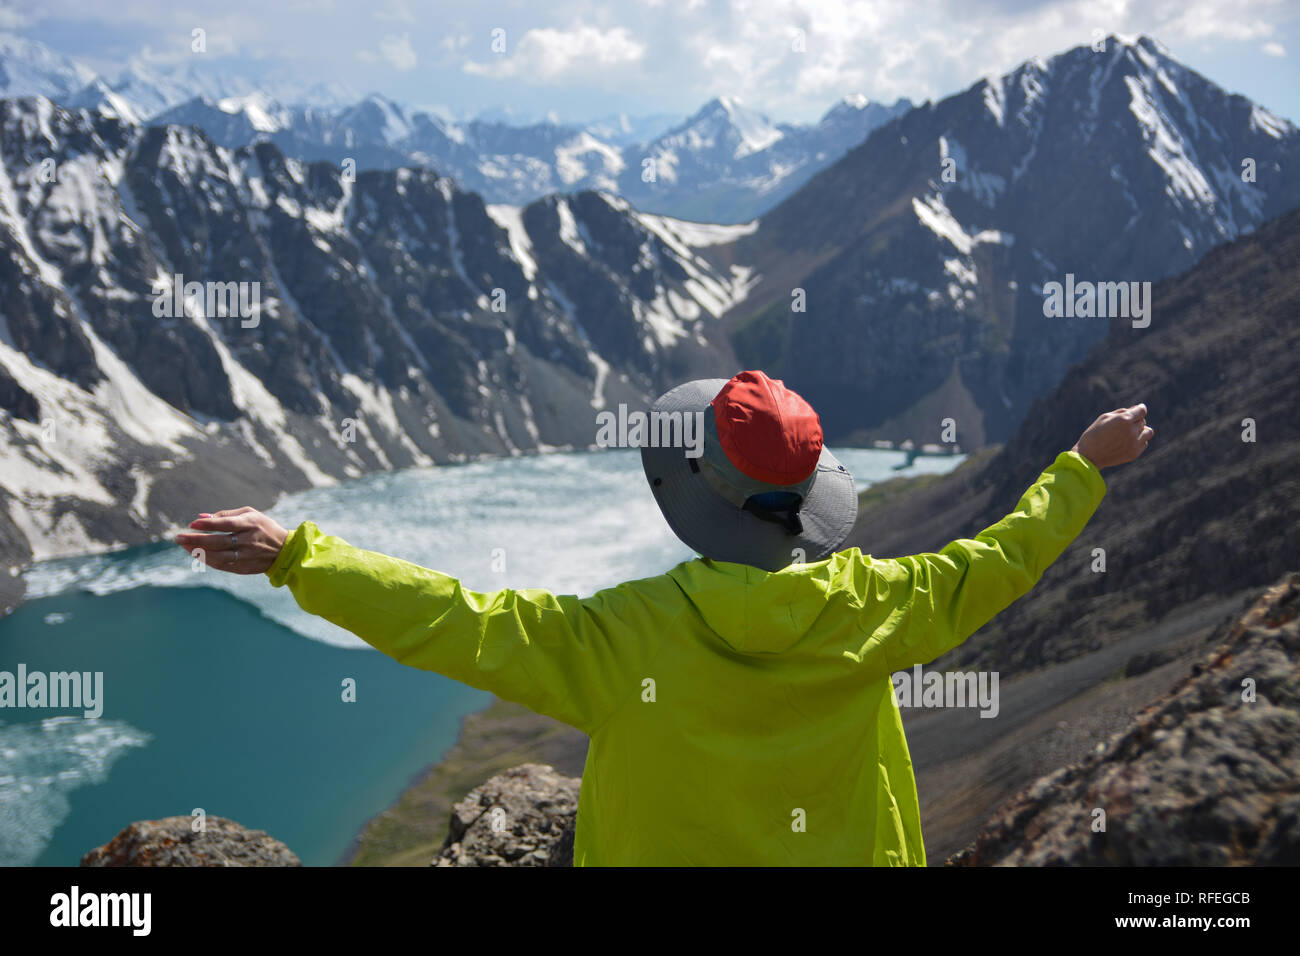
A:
(263, 113)
(1269, 123)
(569, 227)
(995, 99)
(1165, 146)
(571, 168)
(756, 132)
(511, 219)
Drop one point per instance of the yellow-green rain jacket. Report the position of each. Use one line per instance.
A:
(736, 716)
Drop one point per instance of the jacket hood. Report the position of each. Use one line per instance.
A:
(756, 611)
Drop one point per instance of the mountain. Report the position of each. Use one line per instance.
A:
(727, 163)
(620, 129)
(389, 321)
(925, 294)
(923, 254)
(30, 68)
(141, 90)
(102, 98)
(1203, 777)
(1206, 513)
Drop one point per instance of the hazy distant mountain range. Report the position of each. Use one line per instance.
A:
(726, 163)
(404, 320)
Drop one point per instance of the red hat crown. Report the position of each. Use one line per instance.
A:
(767, 430)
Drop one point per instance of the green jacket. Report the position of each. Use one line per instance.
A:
(736, 716)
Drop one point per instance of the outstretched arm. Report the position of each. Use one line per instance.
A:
(945, 597)
(567, 657)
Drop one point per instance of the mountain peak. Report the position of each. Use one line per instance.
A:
(30, 68)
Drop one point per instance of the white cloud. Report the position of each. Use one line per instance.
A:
(926, 50)
(395, 11)
(398, 51)
(1274, 49)
(549, 55)
(11, 19)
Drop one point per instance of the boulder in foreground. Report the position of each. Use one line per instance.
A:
(172, 842)
(522, 817)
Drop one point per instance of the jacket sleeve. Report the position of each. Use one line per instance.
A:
(941, 599)
(557, 655)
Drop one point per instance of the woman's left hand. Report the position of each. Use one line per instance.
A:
(242, 541)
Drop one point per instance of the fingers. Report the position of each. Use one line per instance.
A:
(208, 541)
(1147, 432)
(238, 522)
(1136, 412)
(229, 512)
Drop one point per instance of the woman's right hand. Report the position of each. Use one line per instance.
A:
(241, 541)
(1115, 437)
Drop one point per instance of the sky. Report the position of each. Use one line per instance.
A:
(577, 61)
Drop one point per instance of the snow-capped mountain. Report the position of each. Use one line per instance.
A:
(30, 68)
(729, 163)
(140, 91)
(338, 325)
(622, 130)
(102, 98)
(405, 310)
(725, 164)
(923, 254)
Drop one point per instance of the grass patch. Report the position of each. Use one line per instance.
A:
(893, 490)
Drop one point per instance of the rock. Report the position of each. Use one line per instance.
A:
(1204, 777)
(172, 842)
(523, 817)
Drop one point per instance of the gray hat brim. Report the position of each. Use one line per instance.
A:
(717, 529)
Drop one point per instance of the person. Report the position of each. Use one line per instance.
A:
(739, 705)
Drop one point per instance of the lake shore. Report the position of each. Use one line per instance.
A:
(504, 735)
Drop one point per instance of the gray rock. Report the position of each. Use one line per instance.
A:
(523, 817)
(172, 842)
(1204, 777)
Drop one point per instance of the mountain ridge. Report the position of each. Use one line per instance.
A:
(1116, 166)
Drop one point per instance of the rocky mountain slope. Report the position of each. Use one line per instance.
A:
(1206, 513)
(923, 254)
(1206, 776)
(341, 324)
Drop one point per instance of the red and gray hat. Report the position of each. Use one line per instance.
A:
(765, 491)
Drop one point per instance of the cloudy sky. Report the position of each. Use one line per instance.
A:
(579, 60)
